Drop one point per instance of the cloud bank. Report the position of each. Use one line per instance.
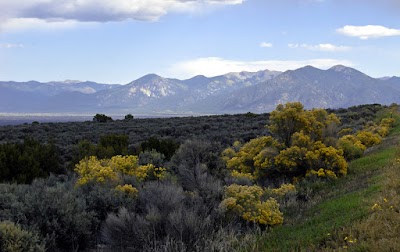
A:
(213, 66)
(368, 31)
(56, 13)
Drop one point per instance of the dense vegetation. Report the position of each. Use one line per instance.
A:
(181, 184)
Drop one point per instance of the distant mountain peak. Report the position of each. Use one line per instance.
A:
(200, 76)
(341, 68)
(151, 76)
(305, 69)
(309, 67)
(71, 81)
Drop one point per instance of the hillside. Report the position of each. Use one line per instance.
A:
(358, 213)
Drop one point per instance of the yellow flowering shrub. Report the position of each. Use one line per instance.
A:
(91, 169)
(283, 190)
(382, 131)
(228, 154)
(291, 161)
(253, 158)
(305, 155)
(290, 118)
(387, 122)
(368, 138)
(351, 146)
(327, 158)
(240, 175)
(320, 120)
(287, 119)
(322, 173)
(150, 172)
(384, 127)
(300, 139)
(124, 164)
(247, 202)
(128, 189)
(345, 131)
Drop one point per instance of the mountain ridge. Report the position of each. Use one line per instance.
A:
(235, 92)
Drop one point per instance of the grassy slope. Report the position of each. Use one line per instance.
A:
(339, 215)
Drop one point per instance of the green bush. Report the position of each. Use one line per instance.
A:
(23, 162)
(165, 146)
(109, 146)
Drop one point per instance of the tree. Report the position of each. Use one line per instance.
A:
(129, 117)
(102, 118)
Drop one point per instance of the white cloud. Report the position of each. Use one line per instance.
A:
(10, 46)
(67, 11)
(368, 31)
(213, 66)
(266, 45)
(321, 47)
(20, 24)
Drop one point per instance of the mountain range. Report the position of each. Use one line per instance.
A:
(337, 87)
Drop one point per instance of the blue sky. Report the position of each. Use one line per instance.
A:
(121, 40)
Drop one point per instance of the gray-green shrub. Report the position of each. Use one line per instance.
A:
(15, 239)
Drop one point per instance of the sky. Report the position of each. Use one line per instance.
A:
(118, 41)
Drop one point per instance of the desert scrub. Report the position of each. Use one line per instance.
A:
(248, 202)
(15, 239)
